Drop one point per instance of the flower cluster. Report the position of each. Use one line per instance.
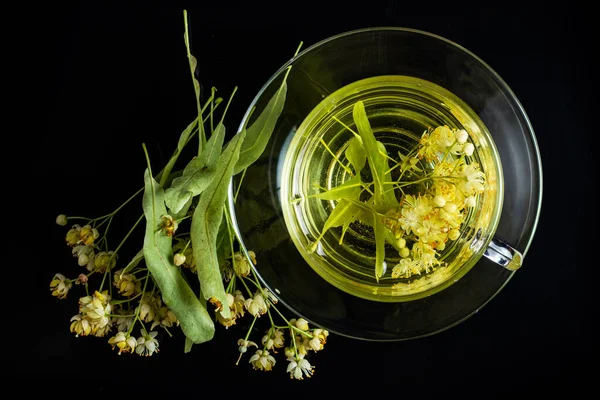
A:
(114, 310)
(434, 216)
(303, 340)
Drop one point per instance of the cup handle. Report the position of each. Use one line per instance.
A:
(503, 254)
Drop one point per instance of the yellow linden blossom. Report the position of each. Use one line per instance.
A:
(124, 342)
(127, 284)
(262, 360)
(96, 310)
(60, 286)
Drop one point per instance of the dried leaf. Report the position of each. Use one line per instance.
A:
(197, 175)
(259, 133)
(195, 321)
(206, 221)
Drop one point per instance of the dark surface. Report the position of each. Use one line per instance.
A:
(117, 76)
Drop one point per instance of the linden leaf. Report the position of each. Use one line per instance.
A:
(206, 222)
(348, 190)
(377, 161)
(197, 175)
(356, 154)
(259, 133)
(193, 317)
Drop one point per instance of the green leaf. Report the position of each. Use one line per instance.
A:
(205, 225)
(183, 138)
(353, 216)
(379, 249)
(223, 241)
(188, 345)
(197, 175)
(343, 212)
(259, 133)
(356, 154)
(349, 190)
(195, 321)
(377, 161)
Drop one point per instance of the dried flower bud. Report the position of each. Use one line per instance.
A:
(179, 259)
(61, 220)
(82, 279)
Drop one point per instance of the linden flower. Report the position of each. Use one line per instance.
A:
(256, 305)
(80, 326)
(102, 261)
(298, 368)
(322, 335)
(124, 342)
(84, 254)
(72, 236)
(125, 320)
(164, 318)
(149, 306)
(60, 286)
(87, 235)
(147, 344)
(127, 284)
(474, 180)
(97, 309)
(262, 360)
(405, 269)
(413, 210)
(168, 225)
(273, 339)
(241, 265)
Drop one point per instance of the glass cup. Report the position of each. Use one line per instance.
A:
(384, 67)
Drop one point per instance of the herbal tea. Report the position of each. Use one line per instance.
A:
(386, 186)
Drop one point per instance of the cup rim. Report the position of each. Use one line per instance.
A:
(519, 110)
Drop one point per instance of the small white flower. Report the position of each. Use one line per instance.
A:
(315, 344)
(256, 305)
(262, 360)
(468, 149)
(461, 136)
(147, 344)
(298, 368)
(244, 344)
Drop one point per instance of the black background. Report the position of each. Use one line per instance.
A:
(108, 77)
